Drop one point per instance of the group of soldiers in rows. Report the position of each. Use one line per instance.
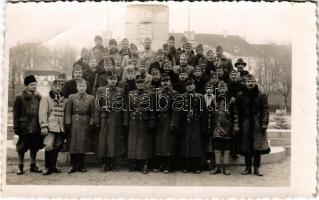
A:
(173, 109)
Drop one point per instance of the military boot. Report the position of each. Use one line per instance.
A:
(257, 171)
(246, 171)
(34, 168)
(47, 162)
(20, 170)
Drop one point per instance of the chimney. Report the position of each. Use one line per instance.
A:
(225, 33)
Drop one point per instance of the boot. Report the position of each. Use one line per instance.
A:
(246, 171)
(47, 162)
(226, 170)
(217, 170)
(20, 170)
(81, 167)
(55, 154)
(73, 164)
(145, 168)
(103, 165)
(133, 166)
(186, 166)
(209, 165)
(167, 168)
(112, 165)
(34, 168)
(257, 171)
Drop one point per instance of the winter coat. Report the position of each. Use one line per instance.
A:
(210, 67)
(70, 87)
(80, 115)
(191, 125)
(166, 117)
(179, 86)
(51, 112)
(200, 84)
(225, 117)
(234, 88)
(25, 113)
(140, 122)
(253, 116)
(226, 64)
(110, 118)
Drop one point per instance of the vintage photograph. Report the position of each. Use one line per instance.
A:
(152, 94)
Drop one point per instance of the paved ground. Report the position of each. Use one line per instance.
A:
(274, 175)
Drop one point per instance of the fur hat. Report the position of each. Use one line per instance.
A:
(29, 79)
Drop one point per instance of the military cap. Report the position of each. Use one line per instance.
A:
(165, 77)
(189, 81)
(187, 44)
(160, 52)
(199, 47)
(97, 37)
(56, 82)
(112, 42)
(202, 60)
(171, 38)
(139, 78)
(222, 84)
(250, 76)
(219, 48)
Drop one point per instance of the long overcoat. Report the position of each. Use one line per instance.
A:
(140, 122)
(191, 125)
(166, 117)
(109, 114)
(25, 113)
(253, 120)
(80, 115)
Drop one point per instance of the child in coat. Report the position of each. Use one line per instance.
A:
(51, 116)
(225, 126)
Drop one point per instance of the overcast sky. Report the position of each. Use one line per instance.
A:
(76, 24)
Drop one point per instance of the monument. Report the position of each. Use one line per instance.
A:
(147, 21)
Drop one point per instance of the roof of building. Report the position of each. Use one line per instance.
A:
(232, 44)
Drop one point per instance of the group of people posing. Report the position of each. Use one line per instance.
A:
(172, 110)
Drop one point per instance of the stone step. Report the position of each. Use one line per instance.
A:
(279, 133)
(276, 155)
(279, 142)
(288, 150)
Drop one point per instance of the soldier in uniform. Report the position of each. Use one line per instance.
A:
(101, 77)
(70, 86)
(140, 120)
(51, 116)
(159, 59)
(199, 54)
(133, 65)
(210, 65)
(128, 85)
(179, 86)
(84, 61)
(109, 115)
(117, 65)
(79, 121)
(165, 145)
(183, 65)
(168, 54)
(167, 68)
(126, 60)
(225, 123)
(26, 124)
(191, 127)
(200, 80)
(226, 63)
(113, 47)
(156, 79)
(125, 48)
(148, 53)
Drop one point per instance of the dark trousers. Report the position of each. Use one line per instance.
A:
(252, 160)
